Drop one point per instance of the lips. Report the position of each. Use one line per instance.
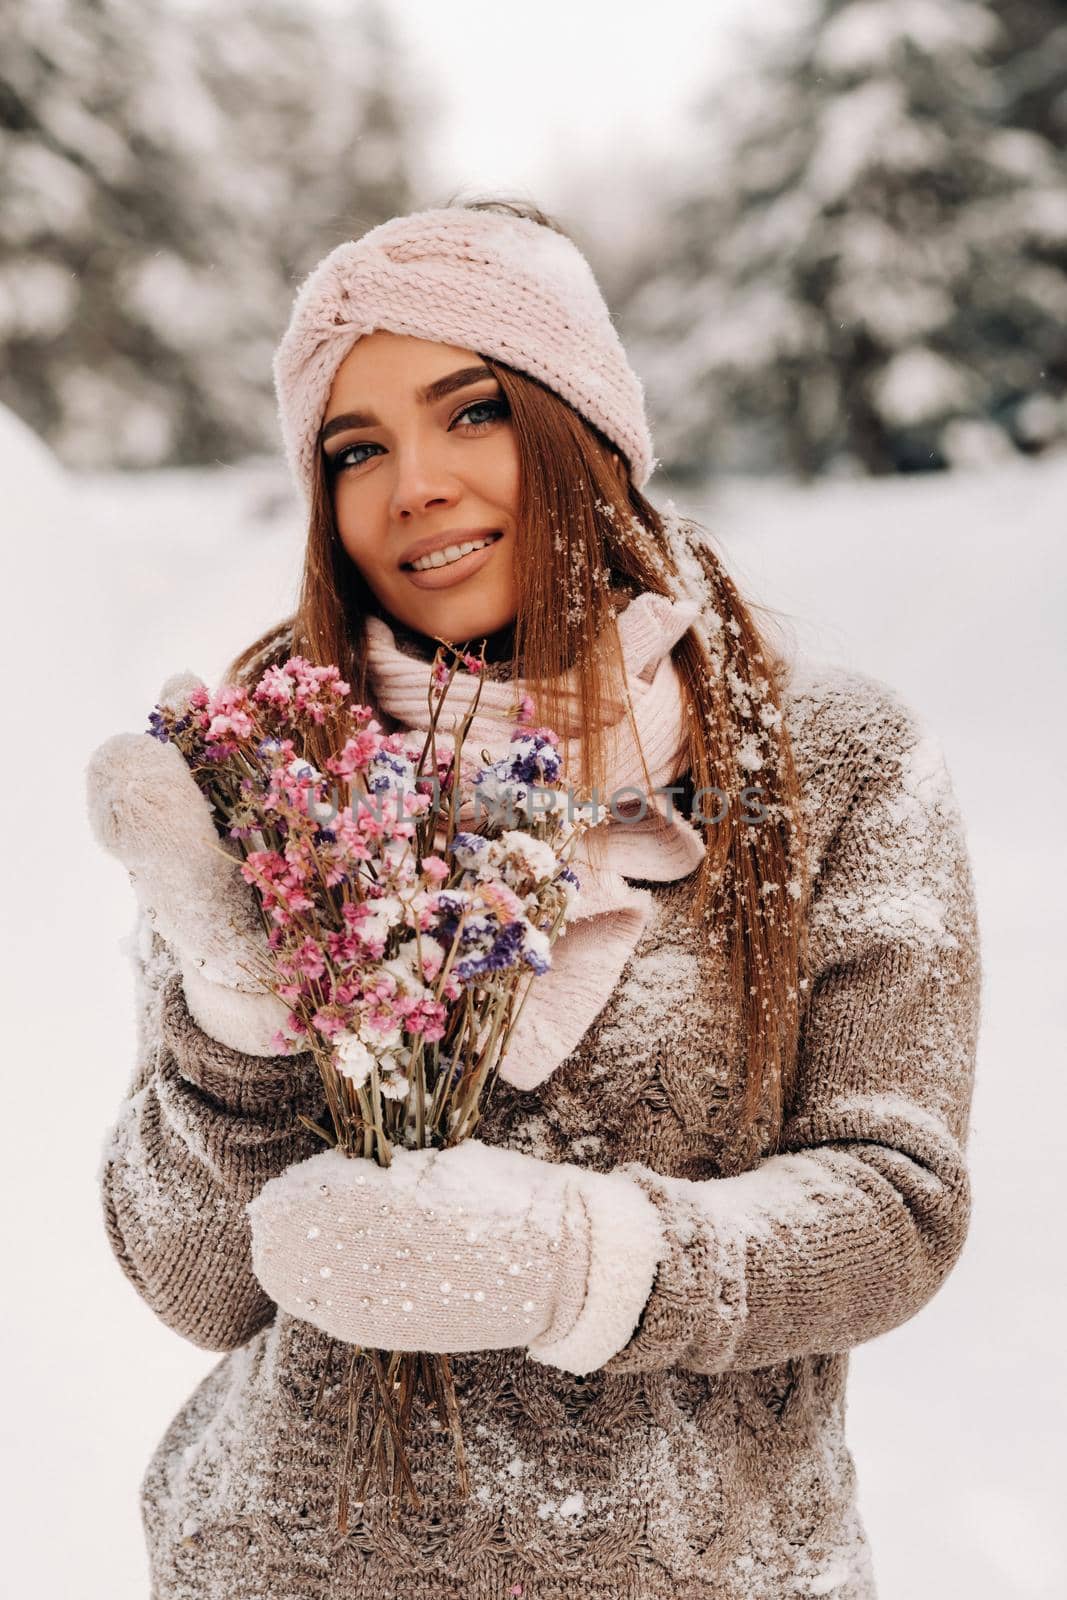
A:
(450, 573)
(451, 541)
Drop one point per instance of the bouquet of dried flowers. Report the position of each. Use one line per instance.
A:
(403, 944)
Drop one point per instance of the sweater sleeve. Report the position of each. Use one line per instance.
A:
(202, 1129)
(852, 1226)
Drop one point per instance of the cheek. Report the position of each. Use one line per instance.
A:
(500, 479)
(358, 529)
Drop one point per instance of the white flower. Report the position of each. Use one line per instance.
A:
(538, 858)
(536, 943)
(499, 794)
(382, 1040)
(394, 852)
(303, 769)
(470, 856)
(404, 967)
(389, 909)
(323, 811)
(386, 913)
(352, 1058)
(433, 955)
(395, 1088)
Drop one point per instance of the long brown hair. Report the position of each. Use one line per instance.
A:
(585, 532)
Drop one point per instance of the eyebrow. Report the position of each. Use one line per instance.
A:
(437, 390)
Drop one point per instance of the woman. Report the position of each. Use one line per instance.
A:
(751, 1099)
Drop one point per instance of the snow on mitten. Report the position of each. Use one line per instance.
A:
(145, 808)
(477, 1247)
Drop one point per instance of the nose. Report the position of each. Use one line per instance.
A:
(422, 482)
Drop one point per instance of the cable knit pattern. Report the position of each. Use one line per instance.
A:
(708, 1456)
(501, 285)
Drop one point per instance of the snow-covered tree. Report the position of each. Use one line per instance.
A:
(869, 274)
(1030, 52)
(168, 171)
(1030, 55)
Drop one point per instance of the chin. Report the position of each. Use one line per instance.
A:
(459, 619)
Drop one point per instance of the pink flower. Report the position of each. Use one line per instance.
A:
(275, 688)
(381, 986)
(356, 753)
(434, 868)
(327, 1021)
(260, 865)
(433, 956)
(344, 948)
(472, 664)
(350, 841)
(314, 692)
(502, 900)
(428, 1018)
(368, 824)
(381, 1018)
(228, 713)
(308, 959)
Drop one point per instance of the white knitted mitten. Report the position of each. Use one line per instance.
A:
(145, 808)
(477, 1247)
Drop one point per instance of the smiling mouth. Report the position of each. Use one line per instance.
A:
(450, 554)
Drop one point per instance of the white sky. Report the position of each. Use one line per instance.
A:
(528, 91)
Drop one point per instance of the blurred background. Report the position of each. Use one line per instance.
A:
(835, 247)
(834, 237)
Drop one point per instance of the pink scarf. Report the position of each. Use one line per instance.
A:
(609, 914)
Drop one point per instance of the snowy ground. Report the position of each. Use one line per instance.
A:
(951, 588)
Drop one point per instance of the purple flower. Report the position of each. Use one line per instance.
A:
(383, 770)
(503, 952)
(534, 759)
(468, 848)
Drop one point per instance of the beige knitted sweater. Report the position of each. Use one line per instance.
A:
(708, 1456)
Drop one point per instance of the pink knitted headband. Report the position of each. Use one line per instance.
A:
(501, 285)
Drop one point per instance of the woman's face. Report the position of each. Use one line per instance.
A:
(423, 461)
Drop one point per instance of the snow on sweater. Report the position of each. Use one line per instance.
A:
(708, 1456)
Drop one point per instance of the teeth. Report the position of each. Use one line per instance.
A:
(451, 552)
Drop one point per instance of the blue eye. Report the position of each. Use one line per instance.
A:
(346, 458)
(338, 462)
(496, 408)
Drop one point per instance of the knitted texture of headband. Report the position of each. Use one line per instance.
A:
(503, 286)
